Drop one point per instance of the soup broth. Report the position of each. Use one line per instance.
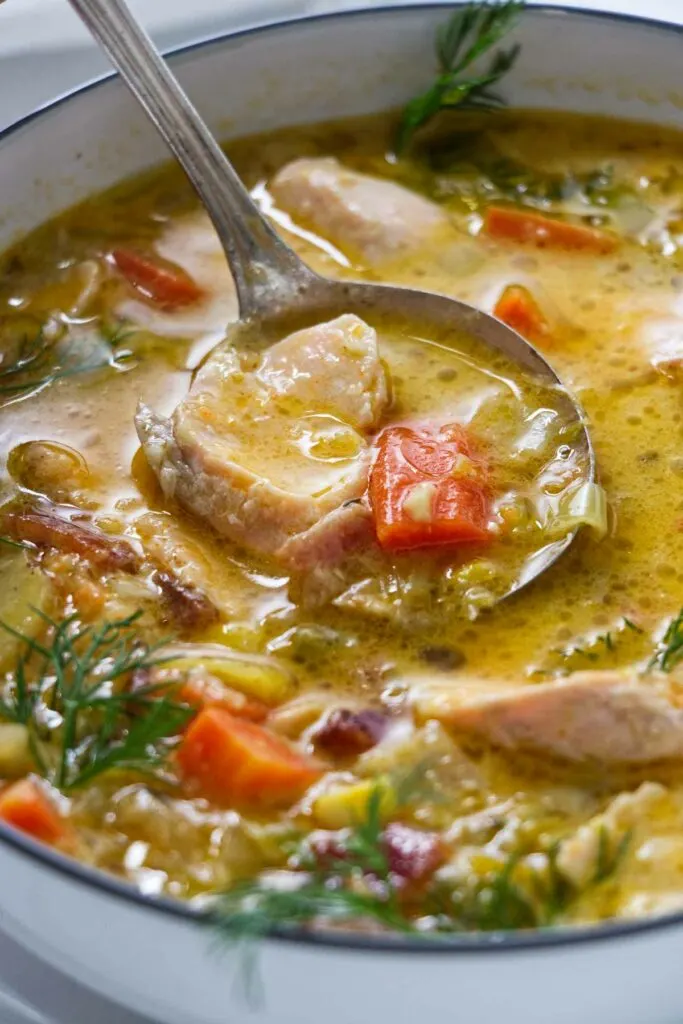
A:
(328, 678)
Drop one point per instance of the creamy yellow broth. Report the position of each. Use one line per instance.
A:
(603, 606)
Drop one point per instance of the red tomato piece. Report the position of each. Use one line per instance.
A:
(428, 487)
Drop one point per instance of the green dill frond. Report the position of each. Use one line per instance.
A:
(40, 361)
(76, 673)
(471, 32)
(669, 651)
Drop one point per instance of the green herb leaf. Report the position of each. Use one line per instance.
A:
(16, 544)
(669, 651)
(252, 909)
(38, 363)
(470, 33)
(73, 680)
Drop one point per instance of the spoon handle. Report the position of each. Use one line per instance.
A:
(267, 273)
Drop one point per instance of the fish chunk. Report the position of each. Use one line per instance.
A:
(609, 718)
(319, 555)
(335, 367)
(264, 454)
(365, 216)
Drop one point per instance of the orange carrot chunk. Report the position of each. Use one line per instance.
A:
(170, 289)
(24, 806)
(428, 487)
(517, 308)
(230, 760)
(209, 692)
(545, 232)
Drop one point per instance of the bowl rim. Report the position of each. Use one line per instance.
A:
(465, 943)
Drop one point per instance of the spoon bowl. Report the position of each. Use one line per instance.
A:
(273, 284)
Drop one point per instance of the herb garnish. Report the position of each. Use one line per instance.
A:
(620, 645)
(40, 361)
(16, 543)
(80, 723)
(466, 37)
(346, 884)
(669, 651)
(356, 882)
(516, 895)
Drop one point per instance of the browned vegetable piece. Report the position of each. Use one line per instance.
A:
(189, 607)
(48, 530)
(345, 733)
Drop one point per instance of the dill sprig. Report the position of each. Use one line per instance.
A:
(355, 884)
(38, 363)
(351, 882)
(251, 910)
(669, 651)
(469, 34)
(81, 721)
(16, 544)
(515, 896)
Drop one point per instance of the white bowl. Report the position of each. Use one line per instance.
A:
(153, 955)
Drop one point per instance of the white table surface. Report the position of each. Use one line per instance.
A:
(34, 66)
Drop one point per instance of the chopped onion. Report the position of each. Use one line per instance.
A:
(586, 506)
(255, 675)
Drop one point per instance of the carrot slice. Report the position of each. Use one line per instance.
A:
(428, 487)
(168, 288)
(545, 232)
(517, 308)
(230, 760)
(24, 806)
(211, 692)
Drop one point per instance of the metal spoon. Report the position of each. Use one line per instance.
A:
(270, 279)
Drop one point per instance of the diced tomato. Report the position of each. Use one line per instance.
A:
(25, 806)
(545, 232)
(230, 760)
(211, 692)
(428, 487)
(170, 289)
(517, 308)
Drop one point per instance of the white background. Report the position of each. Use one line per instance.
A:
(44, 52)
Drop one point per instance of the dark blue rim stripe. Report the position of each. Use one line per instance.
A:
(509, 942)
